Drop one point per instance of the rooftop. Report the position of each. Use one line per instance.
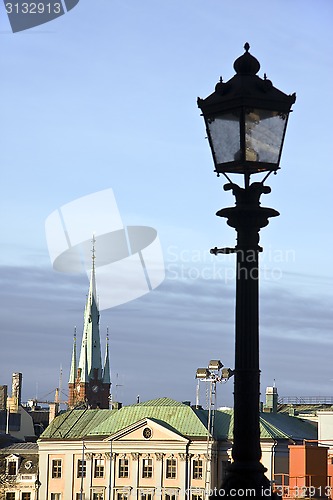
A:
(187, 421)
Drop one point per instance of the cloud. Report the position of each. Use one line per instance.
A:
(158, 341)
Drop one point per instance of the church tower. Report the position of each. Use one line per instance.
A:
(89, 383)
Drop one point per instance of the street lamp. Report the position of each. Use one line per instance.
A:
(246, 120)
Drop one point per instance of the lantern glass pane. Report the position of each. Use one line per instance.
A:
(264, 131)
(224, 132)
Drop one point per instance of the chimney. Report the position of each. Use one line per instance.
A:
(3, 397)
(271, 400)
(14, 401)
(53, 411)
(17, 387)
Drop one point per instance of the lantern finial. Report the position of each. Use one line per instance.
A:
(246, 64)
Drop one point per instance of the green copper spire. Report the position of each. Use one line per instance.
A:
(73, 372)
(90, 338)
(106, 369)
(84, 367)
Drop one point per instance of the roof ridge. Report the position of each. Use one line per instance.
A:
(164, 401)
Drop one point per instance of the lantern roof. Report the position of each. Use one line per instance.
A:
(246, 89)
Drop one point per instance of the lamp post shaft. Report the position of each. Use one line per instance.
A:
(246, 473)
(246, 383)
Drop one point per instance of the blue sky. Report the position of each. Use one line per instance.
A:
(105, 96)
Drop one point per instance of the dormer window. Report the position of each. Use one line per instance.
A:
(12, 465)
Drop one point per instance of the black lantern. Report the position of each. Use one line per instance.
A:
(246, 120)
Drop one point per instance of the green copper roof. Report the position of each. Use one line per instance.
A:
(90, 354)
(272, 426)
(90, 423)
(106, 368)
(281, 426)
(181, 418)
(73, 371)
(75, 424)
(177, 415)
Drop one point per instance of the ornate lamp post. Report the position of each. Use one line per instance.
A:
(246, 120)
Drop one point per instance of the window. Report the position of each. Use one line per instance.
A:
(26, 496)
(123, 467)
(10, 495)
(122, 496)
(56, 469)
(170, 497)
(147, 469)
(146, 496)
(99, 467)
(79, 497)
(197, 472)
(98, 496)
(197, 497)
(12, 468)
(81, 468)
(55, 496)
(171, 468)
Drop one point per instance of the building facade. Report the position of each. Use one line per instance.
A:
(19, 478)
(155, 450)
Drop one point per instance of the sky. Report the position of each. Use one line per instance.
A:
(105, 97)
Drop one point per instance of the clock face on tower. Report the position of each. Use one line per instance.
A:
(95, 388)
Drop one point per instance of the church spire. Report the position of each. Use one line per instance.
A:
(73, 372)
(88, 382)
(84, 369)
(91, 338)
(106, 369)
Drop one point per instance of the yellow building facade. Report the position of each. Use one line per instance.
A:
(167, 455)
(155, 450)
